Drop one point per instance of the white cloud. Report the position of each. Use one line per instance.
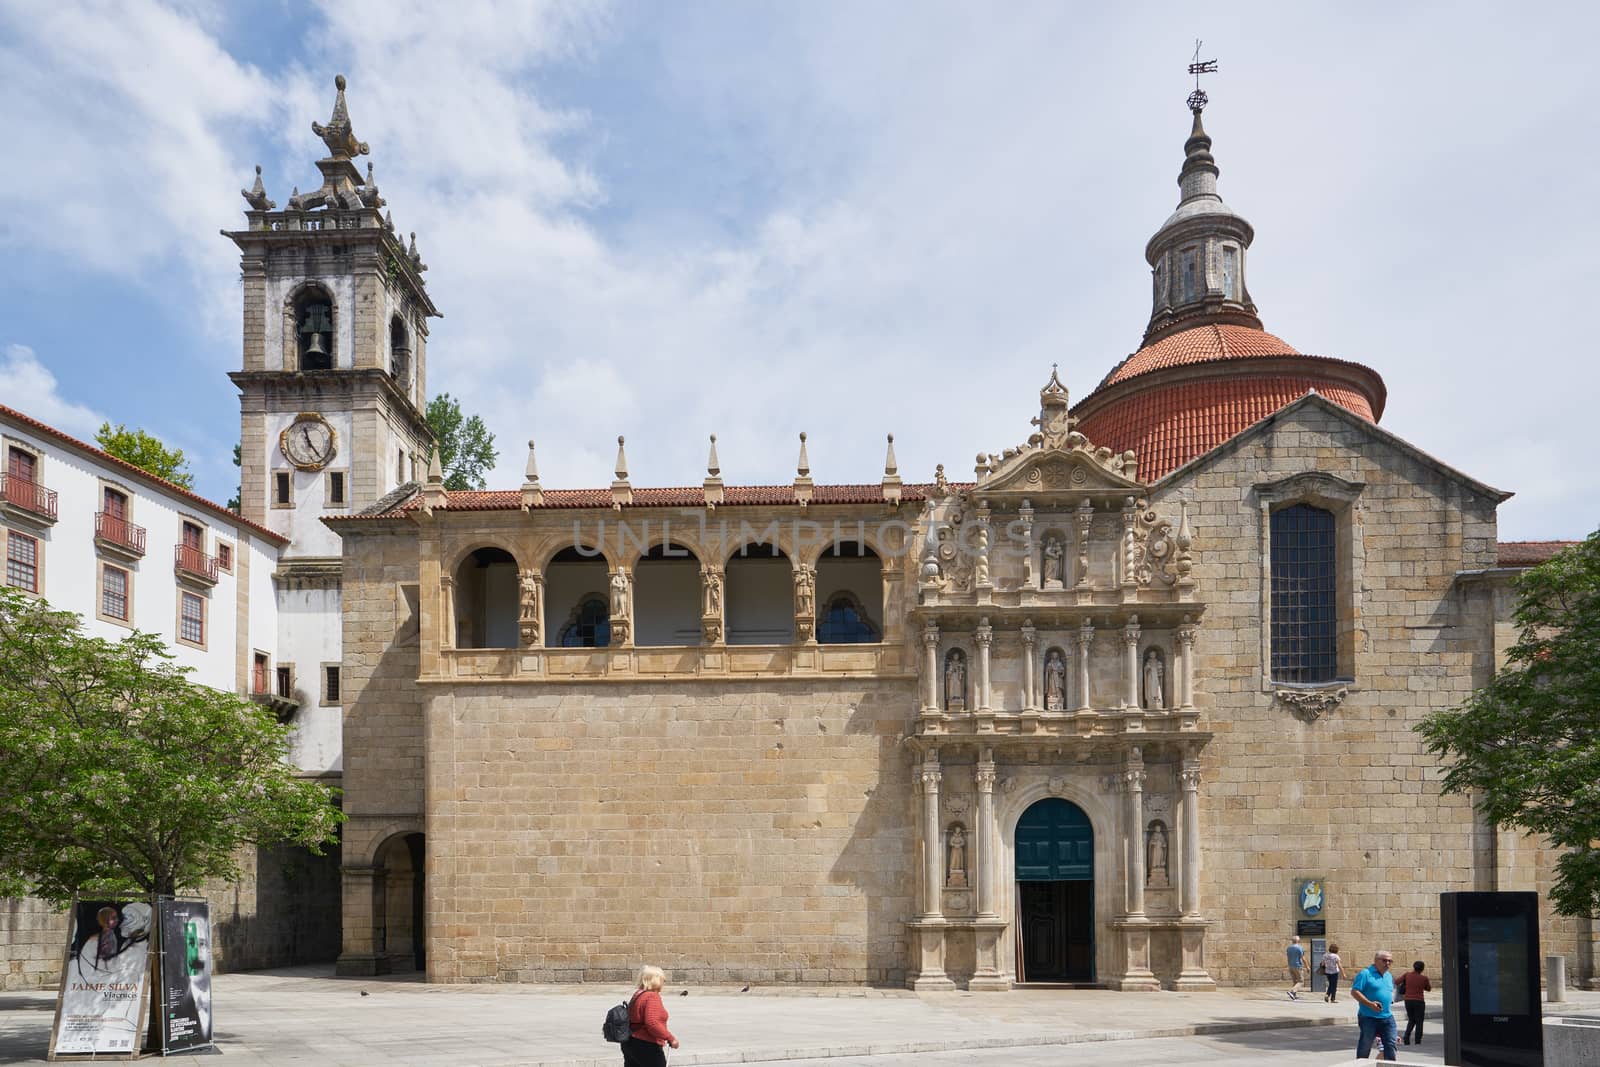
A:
(28, 386)
(924, 210)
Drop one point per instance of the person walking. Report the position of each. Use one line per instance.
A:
(1373, 989)
(1297, 966)
(1413, 985)
(1332, 968)
(647, 1017)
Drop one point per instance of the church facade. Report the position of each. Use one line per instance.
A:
(1096, 715)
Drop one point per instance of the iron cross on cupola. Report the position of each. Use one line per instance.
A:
(1197, 67)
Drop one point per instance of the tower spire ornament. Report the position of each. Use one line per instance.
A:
(1198, 99)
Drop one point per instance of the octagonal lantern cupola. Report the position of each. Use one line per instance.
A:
(1197, 257)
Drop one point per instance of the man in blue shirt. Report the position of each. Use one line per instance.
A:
(1373, 989)
(1297, 966)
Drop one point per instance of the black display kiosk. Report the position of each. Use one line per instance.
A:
(1491, 979)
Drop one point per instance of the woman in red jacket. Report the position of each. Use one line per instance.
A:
(648, 1017)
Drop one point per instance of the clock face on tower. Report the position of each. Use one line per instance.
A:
(308, 442)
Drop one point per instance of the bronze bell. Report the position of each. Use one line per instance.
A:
(316, 346)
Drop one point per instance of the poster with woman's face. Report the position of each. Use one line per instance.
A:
(107, 964)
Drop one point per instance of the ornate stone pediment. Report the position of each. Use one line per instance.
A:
(1041, 471)
(1057, 458)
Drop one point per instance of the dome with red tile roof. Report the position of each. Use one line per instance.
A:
(1207, 370)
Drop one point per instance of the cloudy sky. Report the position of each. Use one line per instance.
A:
(667, 220)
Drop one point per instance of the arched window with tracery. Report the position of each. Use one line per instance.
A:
(589, 624)
(577, 607)
(844, 623)
(849, 595)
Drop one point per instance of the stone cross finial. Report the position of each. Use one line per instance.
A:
(891, 475)
(621, 491)
(532, 492)
(802, 481)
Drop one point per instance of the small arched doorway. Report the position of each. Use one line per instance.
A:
(398, 906)
(1055, 893)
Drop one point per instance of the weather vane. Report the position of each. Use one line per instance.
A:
(1198, 98)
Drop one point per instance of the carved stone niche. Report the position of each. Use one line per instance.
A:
(1311, 703)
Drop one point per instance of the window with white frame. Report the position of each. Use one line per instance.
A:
(22, 562)
(191, 618)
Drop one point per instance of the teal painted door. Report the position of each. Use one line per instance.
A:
(1055, 893)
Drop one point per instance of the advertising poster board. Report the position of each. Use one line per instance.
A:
(104, 984)
(185, 1021)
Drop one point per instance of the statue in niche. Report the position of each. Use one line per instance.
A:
(955, 680)
(1154, 674)
(1053, 553)
(1155, 856)
(956, 876)
(619, 595)
(1055, 681)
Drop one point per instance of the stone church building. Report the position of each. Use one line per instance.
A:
(1093, 714)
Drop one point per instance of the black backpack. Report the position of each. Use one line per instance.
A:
(616, 1026)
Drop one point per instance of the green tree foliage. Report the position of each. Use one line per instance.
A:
(235, 502)
(1526, 747)
(146, 452)
(119, 773)
(466, 447)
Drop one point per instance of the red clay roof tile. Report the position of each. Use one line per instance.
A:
(1167, 426)
(1529, 553)
(1209, 343)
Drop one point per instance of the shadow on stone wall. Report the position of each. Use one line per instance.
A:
(284, 913)
(880, 858)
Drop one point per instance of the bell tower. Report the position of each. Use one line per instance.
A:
(332, 402)
(335, 349)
